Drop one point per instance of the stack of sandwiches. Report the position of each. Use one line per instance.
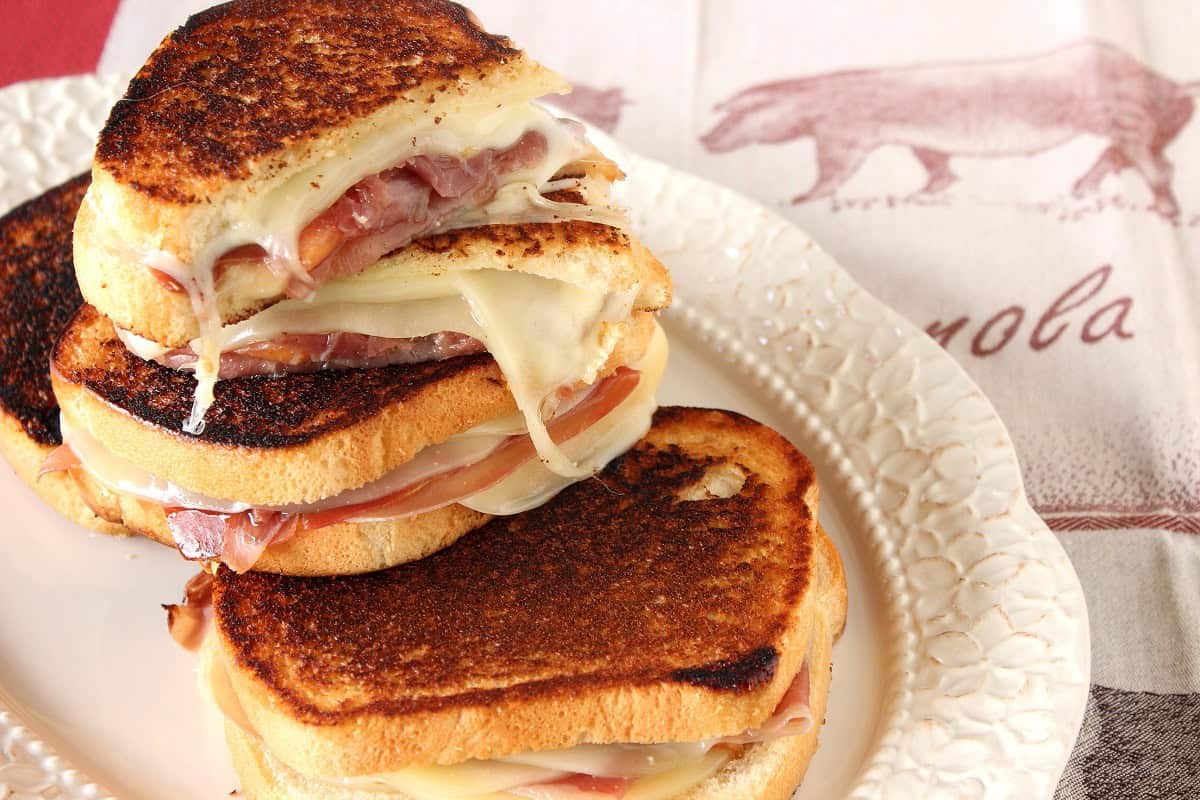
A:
(362, 330)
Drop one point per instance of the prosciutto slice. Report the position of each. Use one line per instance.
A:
(442, 490)
(792, 716)
(239, 539)
(386, 211)
(59, 459)
(310, 352)
(186, 621)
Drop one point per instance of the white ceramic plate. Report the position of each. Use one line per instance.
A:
(964, 668)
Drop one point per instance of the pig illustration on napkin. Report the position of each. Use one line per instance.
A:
(983, 109)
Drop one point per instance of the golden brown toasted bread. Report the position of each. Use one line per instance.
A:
(239, 90)
(671, 599)
(273, 441)
(38, 296)
(243, 105)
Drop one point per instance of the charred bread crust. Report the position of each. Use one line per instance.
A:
(659, 590)
(38, 297)
(269, 441)
(761, 772)
(240, 82)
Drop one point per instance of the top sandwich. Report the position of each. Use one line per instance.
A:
(268, 146)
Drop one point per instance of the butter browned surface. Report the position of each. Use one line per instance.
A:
(615, 582)
(246, 79)
(38, 296)
(528, 239)
(256, 411)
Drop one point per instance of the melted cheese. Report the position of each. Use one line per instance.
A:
(544, 334)
(522, 203)
(274, 217)
(471, 779)
(534, 483)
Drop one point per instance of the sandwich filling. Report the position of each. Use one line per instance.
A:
(584, 772)
(340, 215)
(547, 336)
(491, 468)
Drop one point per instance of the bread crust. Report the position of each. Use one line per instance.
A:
(246, 94)
(278, 441)
(720, 664)
(769, 771)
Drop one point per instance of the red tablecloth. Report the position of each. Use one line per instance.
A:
(56, 37)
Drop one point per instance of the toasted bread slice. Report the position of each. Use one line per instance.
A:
(273, 441)
(586, 254)
(254, 104)
(672, 599)
(250, 93)
(38, 296)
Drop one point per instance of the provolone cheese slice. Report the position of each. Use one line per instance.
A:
(486, 780)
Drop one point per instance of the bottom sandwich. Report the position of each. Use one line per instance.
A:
(662, 631)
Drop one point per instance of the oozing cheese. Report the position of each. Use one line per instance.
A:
(535, 483)
(274, 216)
(544, 334)
(527, 487)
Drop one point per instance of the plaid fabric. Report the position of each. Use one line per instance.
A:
(1136, 745)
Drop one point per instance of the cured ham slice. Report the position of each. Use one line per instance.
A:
(792, 716)
(385, 212)
(442, 490)
(237, 539)
(187, 621)
(60, 458)
(310, 352)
